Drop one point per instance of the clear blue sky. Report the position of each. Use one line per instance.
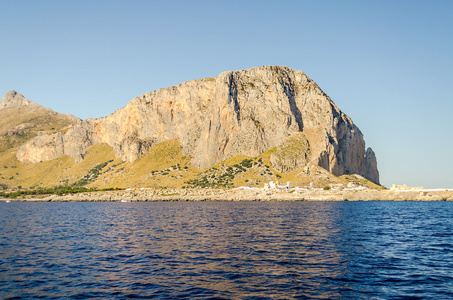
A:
(387, 64)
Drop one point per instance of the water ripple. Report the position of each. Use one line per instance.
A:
(226, 250)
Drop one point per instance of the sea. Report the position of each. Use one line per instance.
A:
(226, 250)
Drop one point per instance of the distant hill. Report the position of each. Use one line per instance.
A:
(240, 128)
(19, 115)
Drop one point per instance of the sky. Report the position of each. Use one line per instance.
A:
(388, 64)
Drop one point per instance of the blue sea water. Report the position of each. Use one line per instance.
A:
(226, 250)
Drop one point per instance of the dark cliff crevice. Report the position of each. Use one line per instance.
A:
(290, 94)
(233, 96)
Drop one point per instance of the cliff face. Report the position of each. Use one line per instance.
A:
(239, 112)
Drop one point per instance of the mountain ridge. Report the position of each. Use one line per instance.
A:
(14, 99)
(19, 115)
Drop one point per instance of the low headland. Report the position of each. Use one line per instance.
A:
(244, 194)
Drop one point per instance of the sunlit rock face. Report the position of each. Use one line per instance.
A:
(239, 112)
(14, 99)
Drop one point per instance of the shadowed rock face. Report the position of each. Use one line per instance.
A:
(239, 112)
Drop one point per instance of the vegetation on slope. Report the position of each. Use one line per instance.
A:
(58, 190)
(32, 119)
(164, 165)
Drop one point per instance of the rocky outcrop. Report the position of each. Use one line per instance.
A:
(239, 112)
(14, 99)
(371, 166)
(293, 154)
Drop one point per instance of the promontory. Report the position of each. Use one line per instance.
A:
(241, 128)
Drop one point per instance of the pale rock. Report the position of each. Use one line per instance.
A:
(13, 99)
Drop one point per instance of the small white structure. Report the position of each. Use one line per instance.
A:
(405, 188)
(270, 186)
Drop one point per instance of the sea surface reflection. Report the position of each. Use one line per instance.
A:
(226, 250)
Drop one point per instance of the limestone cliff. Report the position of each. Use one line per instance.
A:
(239, 112)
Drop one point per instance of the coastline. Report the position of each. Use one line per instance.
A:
(243, 194)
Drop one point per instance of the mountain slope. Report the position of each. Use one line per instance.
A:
(22, 119)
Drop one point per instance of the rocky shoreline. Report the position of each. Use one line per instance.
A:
(251, 194)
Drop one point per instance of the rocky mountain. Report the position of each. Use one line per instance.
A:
(244, 112)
